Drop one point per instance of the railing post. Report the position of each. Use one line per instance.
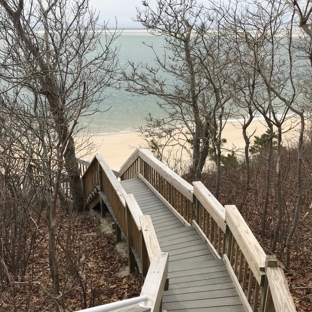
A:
(83, 191)
(103, 206)
(129, 222)
(196, 209)
(228, 243)
(267, 304)
(144, 258)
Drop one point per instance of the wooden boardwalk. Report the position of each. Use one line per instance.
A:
(197, 281)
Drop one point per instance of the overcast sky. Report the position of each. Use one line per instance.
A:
(123, 10)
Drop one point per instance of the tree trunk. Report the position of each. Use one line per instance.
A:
(278, 189)
(195, 170)
(51, 90)
(299, 192)
(247, 160)
(267, 181)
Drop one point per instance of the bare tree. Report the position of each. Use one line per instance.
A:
(266, 32)
(190, 79)
(48, 51)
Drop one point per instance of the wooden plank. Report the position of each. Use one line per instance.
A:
(195, 265)
(181, 244)
(154, 213)
(190, 255)
(247, 242)
(134, 209)
(161, 217)
(210, 203)
(175, 231)
(185, 250)
(154, 283)
(205, 240)
(196, 258)
(178, 239)
(222, 271)
(199, 289)
(181, 235)
(149, 236)
(165, 220)
(282, 299)
(212, 294)
(213, 302)
(166, 203)
(180, 308)
(222, 277)
(174, 179)
(162, 227)
(198, 271)
(236, 284)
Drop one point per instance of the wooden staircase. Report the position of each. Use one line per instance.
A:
(193, 253)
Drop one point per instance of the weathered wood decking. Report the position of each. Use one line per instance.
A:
(197, 281)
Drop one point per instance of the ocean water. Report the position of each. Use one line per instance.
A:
(123, 111)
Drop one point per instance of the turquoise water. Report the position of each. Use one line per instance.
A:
(123, 111)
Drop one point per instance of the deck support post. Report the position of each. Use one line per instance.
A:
(84, 192)
(228, 244)
(267, 304)
(102, 205)
(196, 209)
(144, 257)
(131, 257)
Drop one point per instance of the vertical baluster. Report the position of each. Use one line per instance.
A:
(250, 286)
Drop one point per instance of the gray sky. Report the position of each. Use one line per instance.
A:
(123, 10)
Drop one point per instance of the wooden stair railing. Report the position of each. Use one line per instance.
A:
(136, 227)
(261, 284)
(250, 268)
(177, 193)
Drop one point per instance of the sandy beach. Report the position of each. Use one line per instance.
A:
(116, 148)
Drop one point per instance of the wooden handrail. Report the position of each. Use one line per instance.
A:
(129, 162)
(176, 192)
(279, 292)
(170, 176)
(112, 178)
(245, 258)
(155, 281)
(174, 179)
(250, 247)
(210, 204)
(262, 288)
(150, 238)
(137, 228)
(83, 164)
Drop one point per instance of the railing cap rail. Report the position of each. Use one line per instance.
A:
(210, 203)
(249, 245)
(130, 160)
(150, 238)
(282, 299)
(155, 280)
(83, 161)
(118, 305)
